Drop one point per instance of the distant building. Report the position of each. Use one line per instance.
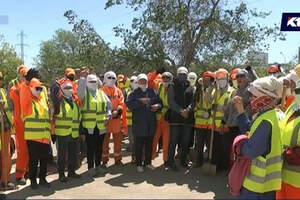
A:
(258, 59)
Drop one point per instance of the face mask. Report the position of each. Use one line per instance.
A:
(133, 85)
(67, 92)
(35, 93)
(182, 77)
(166, 84)
(192, 82)
(234, 83)
(92, 86)
(222, 83)
(143, 87)
(71, 77)
(110, 83)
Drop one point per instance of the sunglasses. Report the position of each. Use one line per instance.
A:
(113, 78)
(38, 88)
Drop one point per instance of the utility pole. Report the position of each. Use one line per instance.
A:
(22, 44)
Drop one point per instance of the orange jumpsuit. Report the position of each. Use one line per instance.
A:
(21, 146)
(5, 154)
(288, 192)
(114, 125)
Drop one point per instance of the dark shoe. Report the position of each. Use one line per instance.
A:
(8, 186)
(20, 181)
(172, 166)
(185, 165)
(34, 185)
(74, 175)
(104, 165)
(44, 183)
(63, 178)
(119, 163)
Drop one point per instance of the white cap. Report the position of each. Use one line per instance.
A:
(92, 77)
(192, 75)
(142, 76)
(268, 85)
(182, 70)
(134, 78)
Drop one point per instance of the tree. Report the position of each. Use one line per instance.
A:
(9, 61)
(192, 31)
(80, 47)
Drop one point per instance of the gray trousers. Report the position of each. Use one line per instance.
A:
(131, 139)
(66, 145)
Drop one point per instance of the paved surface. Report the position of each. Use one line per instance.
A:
(125, 182)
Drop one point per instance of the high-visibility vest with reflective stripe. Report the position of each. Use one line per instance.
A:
(37, 125)
(94, 111)
(200, 109)
(128, 112)
(290, 139)
(265, 172)
(6, 109)
(162, 93)
(222, 101)
(68, 120)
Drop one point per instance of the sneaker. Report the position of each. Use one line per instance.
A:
(151, 167)
(74, 175)
(44, 183)
(62, 178)
(104, 165)
(184, 165)
(119, 163)
(34, 185)
(21, 181)
(140, 169)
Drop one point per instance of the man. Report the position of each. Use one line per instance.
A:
(133, 86)
(162, 128)
(118, 120)
(232, 80)
(264, 146)
(181, 120)
(231, 114)
(273, 70)
(144, 103)
(22, 150)
(6, 116)
(202, 113)
(222, 96)
(251, 72)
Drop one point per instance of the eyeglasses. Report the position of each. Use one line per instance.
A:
(113, 78)
(38, 88)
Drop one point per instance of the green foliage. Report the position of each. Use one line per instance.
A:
(9, 61)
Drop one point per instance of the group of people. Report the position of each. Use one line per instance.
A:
(254, 119)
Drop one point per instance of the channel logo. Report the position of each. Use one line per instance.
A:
(290, 22)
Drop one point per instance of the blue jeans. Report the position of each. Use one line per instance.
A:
(180, 133)
(246, 194)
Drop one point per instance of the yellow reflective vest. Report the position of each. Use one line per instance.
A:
(6, 109)
(37, 125)
(203, 118)
(222, 100)
(265, 172)
(128, 112)
(94, 111)
(290, 139)
(68, 120)
(162, 93)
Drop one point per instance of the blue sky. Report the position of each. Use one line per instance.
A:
(40, 18)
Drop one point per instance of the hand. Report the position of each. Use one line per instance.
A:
(238, 102)
(155, 107)
(82, 137)
(16, 91)
(114, 114)
(53, 138)
(145, 100)
(184, 113)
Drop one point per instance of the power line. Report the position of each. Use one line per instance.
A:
(22, 44)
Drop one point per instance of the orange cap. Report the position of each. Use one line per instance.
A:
(208, 74)
(120, 77)
(35, 83)
(234, 73)
(69, 71)
(22, 68)
(221, 73)
(272, 69)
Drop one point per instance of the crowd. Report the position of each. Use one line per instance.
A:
(254, 123)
